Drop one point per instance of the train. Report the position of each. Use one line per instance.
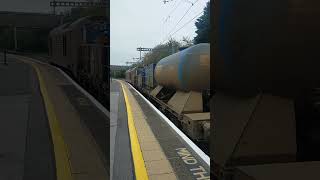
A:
(81, 49)
(179, 85)
(267, 90)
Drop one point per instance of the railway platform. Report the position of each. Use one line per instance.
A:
(51, 128)
(26, 148)
(146, 145)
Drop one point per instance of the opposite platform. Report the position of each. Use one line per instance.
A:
(81, 122)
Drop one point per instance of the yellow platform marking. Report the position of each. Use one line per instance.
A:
(63, 169)
(138, 161)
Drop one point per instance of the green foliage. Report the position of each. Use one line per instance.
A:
(118, 74)
(203, 26)
(162, 50)
(186, 41)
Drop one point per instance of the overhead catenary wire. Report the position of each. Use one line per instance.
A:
(179, 20)
(198, 14)
(182, 27)
(169, 34)
(174, 8)
(189, 1)
(162, 48)
(187, 22)
(169, 15)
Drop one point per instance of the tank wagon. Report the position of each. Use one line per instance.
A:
(266, 102)
(179, 85)
(80, 48)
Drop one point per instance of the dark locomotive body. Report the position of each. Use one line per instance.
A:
(80, 48)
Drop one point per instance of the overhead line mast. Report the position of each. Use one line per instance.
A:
(143, 49)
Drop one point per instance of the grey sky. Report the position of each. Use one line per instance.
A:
(135, 23)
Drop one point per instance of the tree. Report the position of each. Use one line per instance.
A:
(186, 41)
(162, 50)
(203, 26)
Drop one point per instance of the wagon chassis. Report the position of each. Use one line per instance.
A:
(173, 116)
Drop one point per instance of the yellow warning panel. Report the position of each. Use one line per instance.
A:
(63, 168)
(138, 161)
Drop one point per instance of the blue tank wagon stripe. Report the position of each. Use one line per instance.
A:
(180, 68)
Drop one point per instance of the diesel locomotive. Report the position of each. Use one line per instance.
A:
(81, 49)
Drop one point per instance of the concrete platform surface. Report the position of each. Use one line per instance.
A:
(26, 148)
(165, 154)
(82, 125)
(121, 162)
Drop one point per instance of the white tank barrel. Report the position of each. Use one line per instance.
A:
(186, 70)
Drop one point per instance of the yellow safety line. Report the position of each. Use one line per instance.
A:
(63, 169)
(139, 166)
